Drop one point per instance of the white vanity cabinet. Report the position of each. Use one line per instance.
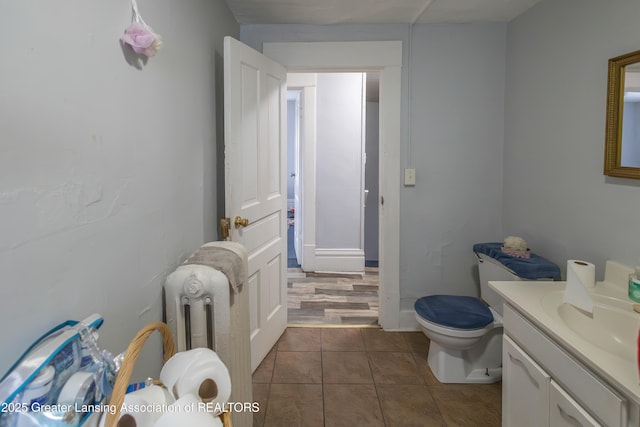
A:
(543, 385)
(530, 398)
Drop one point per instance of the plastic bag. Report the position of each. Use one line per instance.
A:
(60, 380)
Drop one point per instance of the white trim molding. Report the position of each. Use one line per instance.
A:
(339, 260)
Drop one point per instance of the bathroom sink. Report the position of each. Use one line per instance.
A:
(613, 326)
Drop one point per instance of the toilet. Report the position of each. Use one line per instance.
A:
(466, 332)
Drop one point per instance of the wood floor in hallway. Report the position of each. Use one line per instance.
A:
(332, 299)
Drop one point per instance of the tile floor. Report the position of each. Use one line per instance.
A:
(360, 378)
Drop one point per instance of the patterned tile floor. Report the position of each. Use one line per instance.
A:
(363, 377)
(332, 299)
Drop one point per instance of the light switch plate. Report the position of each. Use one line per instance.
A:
(409, 177)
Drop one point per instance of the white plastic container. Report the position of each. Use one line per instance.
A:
(37, 391)
(79, 390)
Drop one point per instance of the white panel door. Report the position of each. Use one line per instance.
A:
(255, 184)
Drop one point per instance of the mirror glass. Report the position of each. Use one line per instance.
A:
(622, 142)
(630, 144)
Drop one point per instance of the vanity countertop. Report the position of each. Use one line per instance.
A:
(527, 298)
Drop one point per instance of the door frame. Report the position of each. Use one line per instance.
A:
(384, 57)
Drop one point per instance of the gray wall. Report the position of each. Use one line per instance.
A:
(455, 143)
(108, 175)
(339, 162)
(555, 194)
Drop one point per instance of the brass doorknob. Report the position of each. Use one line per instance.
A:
(240, 222)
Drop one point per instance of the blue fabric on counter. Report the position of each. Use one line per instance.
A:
(533, 268)
(453, 311)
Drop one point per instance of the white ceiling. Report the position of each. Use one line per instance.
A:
(324, 12)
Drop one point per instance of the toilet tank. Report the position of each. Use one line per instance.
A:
(492, 270)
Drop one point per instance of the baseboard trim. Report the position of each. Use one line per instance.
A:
(339, 260)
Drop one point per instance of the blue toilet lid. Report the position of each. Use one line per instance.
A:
(454, 311)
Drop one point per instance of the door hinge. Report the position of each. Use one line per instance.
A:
(225, 224)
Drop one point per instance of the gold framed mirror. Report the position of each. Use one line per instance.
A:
(622, 140)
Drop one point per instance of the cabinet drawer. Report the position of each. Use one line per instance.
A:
(602, 402)
(566, 412)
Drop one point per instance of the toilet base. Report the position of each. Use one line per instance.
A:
(481, 364)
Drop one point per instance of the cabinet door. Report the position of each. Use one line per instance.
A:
(525, 389)
(566, 412)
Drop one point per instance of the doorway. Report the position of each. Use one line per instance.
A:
(385, 58)
(335, 281)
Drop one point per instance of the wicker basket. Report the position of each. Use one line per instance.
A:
(131, 355)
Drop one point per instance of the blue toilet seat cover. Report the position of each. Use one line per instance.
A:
(454, 311)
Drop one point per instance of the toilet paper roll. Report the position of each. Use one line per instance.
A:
(155, 394)
(142, 408)
(209, 381)
(188, 411)
(199, 372)
(181, 362)
(138, 412)
(580, 276)
(581, 271)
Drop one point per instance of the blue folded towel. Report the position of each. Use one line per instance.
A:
(533, 268)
